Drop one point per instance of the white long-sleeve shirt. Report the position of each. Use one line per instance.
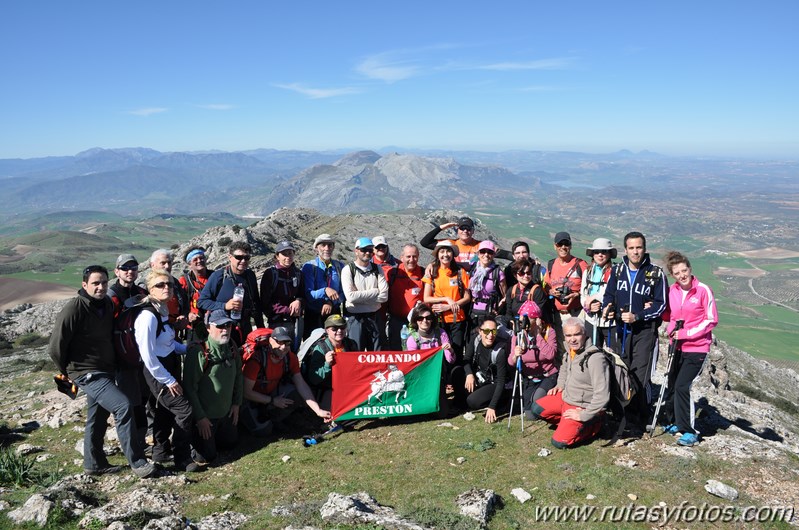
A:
(364, 288)
(153, 346)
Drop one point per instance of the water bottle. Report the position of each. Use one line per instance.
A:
(238, 294)
(404, 333)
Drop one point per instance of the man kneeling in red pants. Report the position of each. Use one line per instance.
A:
(576, 405)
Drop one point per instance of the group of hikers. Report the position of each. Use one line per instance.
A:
(190, 359)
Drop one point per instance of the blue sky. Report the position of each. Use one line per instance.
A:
(706, 77)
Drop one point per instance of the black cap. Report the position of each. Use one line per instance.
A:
(563, 236)
(465, 221)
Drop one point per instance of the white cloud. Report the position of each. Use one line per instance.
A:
(217, 106)
(147, 111)
(556, 63)
(382, 67)
(319, 93)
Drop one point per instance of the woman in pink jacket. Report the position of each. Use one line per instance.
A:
(535, 345)
(693, 303)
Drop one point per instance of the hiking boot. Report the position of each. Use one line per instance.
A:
(688, 439)
(671, 429)
(189, 466)
(145, 470)
(105, 470)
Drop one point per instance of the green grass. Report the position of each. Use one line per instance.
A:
(412, 466)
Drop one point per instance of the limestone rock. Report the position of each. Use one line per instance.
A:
(477, 504)
(222, 521)
(521, 495)
(35, 510)
(27, 449)
(140, 500)
(719, 489)
(171, 522)
(360, 508)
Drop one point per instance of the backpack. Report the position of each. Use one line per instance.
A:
(276, 279)
(315, 336)
(415, 334)
(571, 270)
(372, 270)
(209, 363)
(622, 388)
(125, 345)
(252, 347)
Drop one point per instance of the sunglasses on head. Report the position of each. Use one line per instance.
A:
(488, 331)
(241, 257)
(161, 285)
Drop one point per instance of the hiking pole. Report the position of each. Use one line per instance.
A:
(517, 378)
(672, 349)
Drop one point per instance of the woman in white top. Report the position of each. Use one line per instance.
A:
(162, 371)
(595, 280)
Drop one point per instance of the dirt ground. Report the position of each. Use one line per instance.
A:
(744, 273)
(14, 292)
(770, 253)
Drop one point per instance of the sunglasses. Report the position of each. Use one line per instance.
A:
(601, 251)
(367, 250)
(525, 273)
(381, 247)
(283, 342)
(338, 328)
(223, 326)
(466, 228)
(162, 285)
(241, 257)
(429, 318)
(486, 251)
(488, 331)
(563, 244)
(128, 268)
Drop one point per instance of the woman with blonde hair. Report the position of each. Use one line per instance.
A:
(160, 353)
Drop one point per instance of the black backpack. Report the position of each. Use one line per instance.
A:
(125, 345)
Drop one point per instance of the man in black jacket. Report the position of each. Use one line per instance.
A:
(82, 349)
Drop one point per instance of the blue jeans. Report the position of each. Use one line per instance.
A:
(104, 398)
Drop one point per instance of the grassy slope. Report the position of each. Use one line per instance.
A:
(69, 252)
(412, 467)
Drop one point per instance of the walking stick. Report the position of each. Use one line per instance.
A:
(517, 379)
(672, 349)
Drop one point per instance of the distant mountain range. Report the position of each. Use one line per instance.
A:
(141, 181)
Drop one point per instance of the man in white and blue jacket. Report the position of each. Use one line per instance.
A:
(636, 296)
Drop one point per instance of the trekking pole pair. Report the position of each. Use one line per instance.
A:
(672, 349)
(517, 380)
